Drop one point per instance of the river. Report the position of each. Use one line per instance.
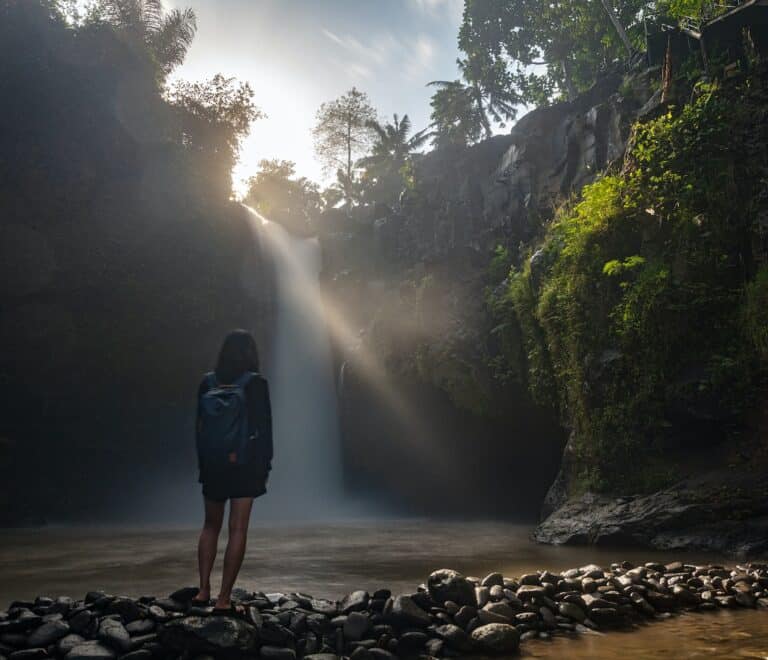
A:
(331, 559)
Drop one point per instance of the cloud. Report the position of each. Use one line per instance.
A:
(421, 58)
(440, 8)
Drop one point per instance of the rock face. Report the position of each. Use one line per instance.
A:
(411, 281)
(696, 513)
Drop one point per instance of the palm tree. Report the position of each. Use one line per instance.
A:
(392, 147)
(167, 36)
(482, 96)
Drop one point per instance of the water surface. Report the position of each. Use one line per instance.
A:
(331, 559)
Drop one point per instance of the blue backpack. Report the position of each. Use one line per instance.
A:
(223, 421)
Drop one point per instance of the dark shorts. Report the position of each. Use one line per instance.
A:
(228, 481)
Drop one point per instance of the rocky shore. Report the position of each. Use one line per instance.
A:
(451, 615)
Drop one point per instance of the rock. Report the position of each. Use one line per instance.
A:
(405, 612)
(140, 654)
(411, 642)
(92, 650)
(685, 596)
(356, 625)
(209, 635)
(454, 636)
(277, 653)
(185, 594)
(446, 584)
(68, 642)
(81, 622)
(354, 602)
(572, 611)
(140, 627)
(326, 607)
(47, 634)
(382, 654)
(493, 579)
(606, 617)
(465, 615)
(497, 638)
(482, 596)
(114, 635)
(126, 608)
(321, 656)
(29, 654)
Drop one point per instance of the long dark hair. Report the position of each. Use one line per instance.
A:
(238, 354)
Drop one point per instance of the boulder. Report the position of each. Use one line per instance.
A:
(405, 612)
(497, 638)
(48, 633)
(446, 584)
(209, 635)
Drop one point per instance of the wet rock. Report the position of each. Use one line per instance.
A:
(356, 626)
(454, 636)
(497, 638)
(405, 612)
(572, 611)
(114, 635)
(48, 633)
(277, 653)
(126, 608)
(29, 654)
(209, 635)
(446, 584)
(91, 650)
(140, 627)
(493, 579)
(354, 602)
(465, 615)
(68, 642)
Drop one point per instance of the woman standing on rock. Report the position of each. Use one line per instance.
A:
(234, 449)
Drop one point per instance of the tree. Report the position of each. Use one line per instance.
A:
(392, 149)
(215, 116)
(166, 35)
(547, 47)
(454, 115)
(342, 132)
(279, 195)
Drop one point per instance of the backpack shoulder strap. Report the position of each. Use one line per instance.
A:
(210, 377)
(244, 379)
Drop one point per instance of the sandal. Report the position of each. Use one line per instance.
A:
(236, 611)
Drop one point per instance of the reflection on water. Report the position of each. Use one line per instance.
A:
(332, 559)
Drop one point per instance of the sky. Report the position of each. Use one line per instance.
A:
(296, 54)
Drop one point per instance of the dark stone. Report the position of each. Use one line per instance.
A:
(114, 635)
(126, 608)
(411, 642)
(68, 642)
(465, 615)
(209, 634)
(497, 638)
(454, 636)
(91, 650)
(354, 602)
(405, 612)
(81, 621)
(447, 584)
(47, 634)
(140, 654)
(356, 626)
(140, 627)
(277, 653)
(29, 654)
(326, 607)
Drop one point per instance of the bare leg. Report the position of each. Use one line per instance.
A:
(206, 546)
(239, 515)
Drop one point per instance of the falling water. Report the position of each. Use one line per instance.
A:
(306, 473)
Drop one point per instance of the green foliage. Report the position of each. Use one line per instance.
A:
(388, 164)
(500, 263)
(637, 316)
(343, 134)
(278, 194)
(537, 50)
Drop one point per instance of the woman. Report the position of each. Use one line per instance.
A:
(234, 456)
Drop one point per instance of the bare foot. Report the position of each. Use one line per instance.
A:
(202, 597)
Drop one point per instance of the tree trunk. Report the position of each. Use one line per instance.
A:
(619, 28)
(570, 89)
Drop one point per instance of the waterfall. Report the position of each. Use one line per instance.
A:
(306, 478)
